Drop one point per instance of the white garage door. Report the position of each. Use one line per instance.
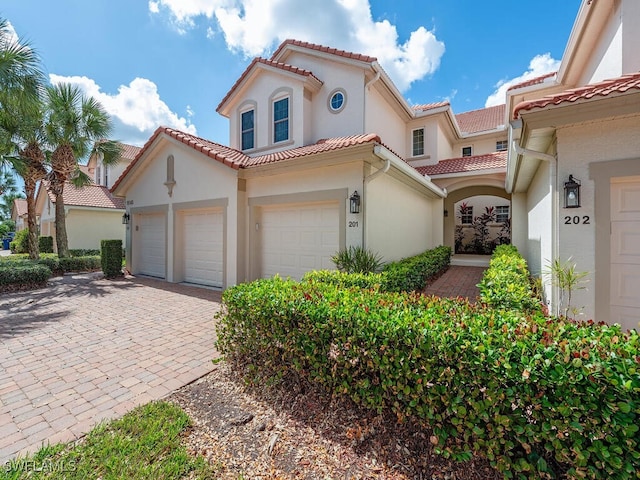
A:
(203, 253)
(298, 238)
(151, 231)
(625, 252)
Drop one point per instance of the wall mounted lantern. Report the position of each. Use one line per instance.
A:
(354, 202)
(125, 218)
(572, 193)
(446, 212)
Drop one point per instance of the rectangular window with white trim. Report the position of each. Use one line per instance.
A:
(281, 120)
(248, 129)
(417, 141)
(502, 214)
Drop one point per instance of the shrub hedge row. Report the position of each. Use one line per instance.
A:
(45, 244)
(538, 397)
(57, 266)
(26, 276)
(506, 283)
(409, 274)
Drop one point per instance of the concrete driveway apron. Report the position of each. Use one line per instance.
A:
(86, 349)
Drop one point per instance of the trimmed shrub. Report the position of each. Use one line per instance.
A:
(506, 283)
(345, 280)
(412, 274)
(80, 264)
(45, 244)
(20, 243)
(83, 252)
(539, 398)
(23, 276)
(111, 258)
(357, 260)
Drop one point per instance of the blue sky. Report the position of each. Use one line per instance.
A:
(170, 62)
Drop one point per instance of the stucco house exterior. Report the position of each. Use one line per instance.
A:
(583, 124)
(92, 214)
(19, 213)
(312, 125)
(302, 142)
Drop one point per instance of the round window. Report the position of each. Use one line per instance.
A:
(337, 101)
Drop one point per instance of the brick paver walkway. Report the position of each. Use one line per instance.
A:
(86, 349)
(457, 281)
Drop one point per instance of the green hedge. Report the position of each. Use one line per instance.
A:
(111, 257)
(411, 274)
(20, 243)
(18, 277)
(506, 283)
(531, 394)
(83, 252)
(58, 266)
(45, 244)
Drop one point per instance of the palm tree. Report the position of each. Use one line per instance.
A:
(8, 192)
(21, 81)
(75, 127)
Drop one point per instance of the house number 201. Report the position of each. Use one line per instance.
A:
(577, 220)
(353, 224)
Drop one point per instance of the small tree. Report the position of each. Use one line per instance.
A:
(564, 276)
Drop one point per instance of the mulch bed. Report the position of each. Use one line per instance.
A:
(296, 431)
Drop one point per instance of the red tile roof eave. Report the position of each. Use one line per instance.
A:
(531, 82)
(473, 164)
(320, 48)
(608, 88)
(270, 63)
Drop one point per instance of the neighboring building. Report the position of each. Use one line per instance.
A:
(583, 123)
(312, 125)
(92, 214)
(19, 213)
(106, 175)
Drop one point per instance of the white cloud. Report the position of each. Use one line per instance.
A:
(137, 109)
(8, 35)
(538, 66)
(254, 27)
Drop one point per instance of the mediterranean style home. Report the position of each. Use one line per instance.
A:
(19, 213)
(92, 212)
(325, 153)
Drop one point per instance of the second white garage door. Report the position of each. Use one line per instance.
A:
(203, 247)
(295, 239)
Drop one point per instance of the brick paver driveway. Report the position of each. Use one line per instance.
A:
(86, 349)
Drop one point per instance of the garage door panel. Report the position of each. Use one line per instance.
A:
(625, 285)
(625, 242)
(625, 200)
(299, 238)
(203, 233)
(151, 231)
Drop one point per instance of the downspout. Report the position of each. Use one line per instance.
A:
(365, 181)
(555, 205)
(367, 86)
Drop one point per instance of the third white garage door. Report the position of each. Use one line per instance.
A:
(203, 247)
(295, 239)
(625, 251)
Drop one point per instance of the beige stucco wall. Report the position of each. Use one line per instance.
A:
(383, 120)
(400, 221)
(579, 146)
(87, 227)
(198, 178)
(538, 251)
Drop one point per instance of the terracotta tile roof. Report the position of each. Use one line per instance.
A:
(324, 145)
(601, 89)
(236, 159)
(129, 151)
(429, 106)
(270, 63)
(482, 120)
(97, 196)
(20, 206)
(321, 48)
(532, 81)
(474, 163)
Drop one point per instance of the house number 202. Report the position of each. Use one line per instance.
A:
(577, 220)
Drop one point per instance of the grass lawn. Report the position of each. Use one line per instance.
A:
(144, 444)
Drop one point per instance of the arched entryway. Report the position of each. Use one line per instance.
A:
(477, 218)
